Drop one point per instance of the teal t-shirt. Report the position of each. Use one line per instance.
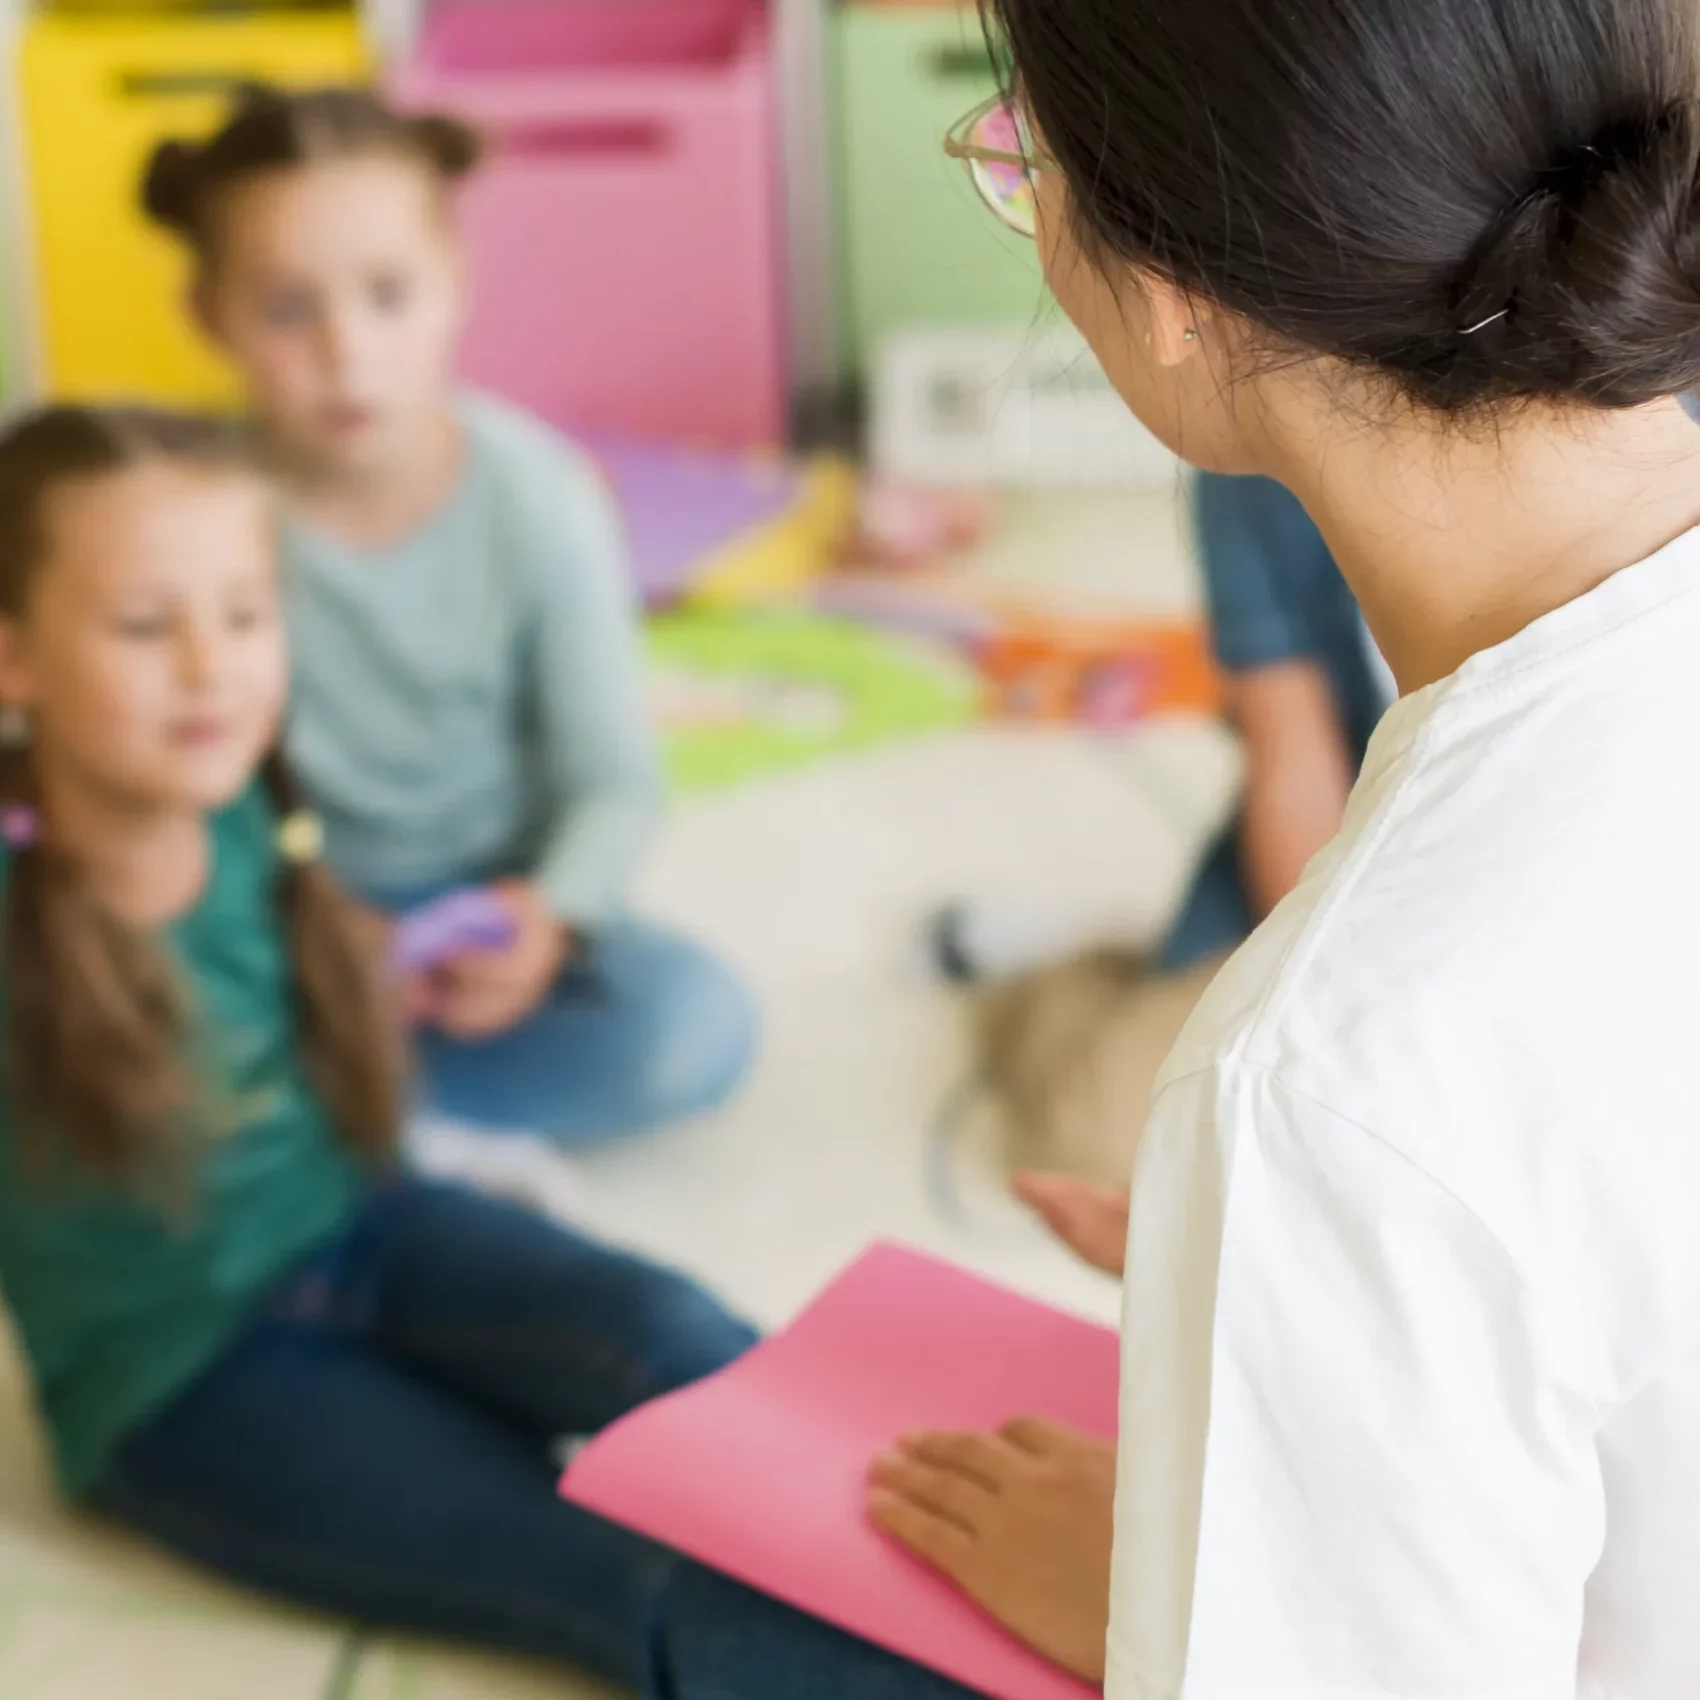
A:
(120, 1304)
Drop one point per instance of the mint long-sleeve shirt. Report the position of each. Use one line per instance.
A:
(468, 701)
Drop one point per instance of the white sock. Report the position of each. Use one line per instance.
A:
(521, 1166)
(988, 941)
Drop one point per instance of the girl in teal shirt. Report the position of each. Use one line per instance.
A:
(251, 1339)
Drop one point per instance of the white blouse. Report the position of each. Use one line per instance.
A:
(1411, 1384)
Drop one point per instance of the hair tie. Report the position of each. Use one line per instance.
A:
(300, 837)
(20, 826)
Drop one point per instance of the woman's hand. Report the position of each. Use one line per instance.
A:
(1091, 1220)
(480, 993)
(1020, 1521)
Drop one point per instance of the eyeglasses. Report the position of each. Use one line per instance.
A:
(993, 141)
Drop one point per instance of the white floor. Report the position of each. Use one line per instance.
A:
(815, 887)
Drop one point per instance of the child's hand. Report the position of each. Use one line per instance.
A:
(418, 996)
(375, 930)
(484, 992)
(1091, 1220)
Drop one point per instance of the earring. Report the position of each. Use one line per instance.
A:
(1189, 334)
(14, 726)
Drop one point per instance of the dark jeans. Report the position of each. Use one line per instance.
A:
(378, 1445)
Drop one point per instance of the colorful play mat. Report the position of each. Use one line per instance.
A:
(741, 695)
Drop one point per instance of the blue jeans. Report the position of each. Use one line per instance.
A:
(1216, 915)
(377, 1445)
(1275, 595)
(642, 1028)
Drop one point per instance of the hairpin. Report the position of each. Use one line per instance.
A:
(20, 826)
(300, 836)
(1491, 319)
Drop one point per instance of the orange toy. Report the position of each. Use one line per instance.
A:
(1050, 668)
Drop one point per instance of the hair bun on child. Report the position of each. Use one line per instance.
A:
(451, 144)
(253, 95)
(171, 185)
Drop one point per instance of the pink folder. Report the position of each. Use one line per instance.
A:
(760, 1470)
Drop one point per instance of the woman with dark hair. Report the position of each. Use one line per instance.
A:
(1412, 1331)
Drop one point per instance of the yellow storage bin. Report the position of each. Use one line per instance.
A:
(98, 93)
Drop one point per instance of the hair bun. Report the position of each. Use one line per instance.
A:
(1589, 284)
(273, 129)
(255, 95)
(451, 144)
(171, 185)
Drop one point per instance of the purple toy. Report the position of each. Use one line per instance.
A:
(470, 918)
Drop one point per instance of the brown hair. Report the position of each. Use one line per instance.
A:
(270, 130)
(98, 1045)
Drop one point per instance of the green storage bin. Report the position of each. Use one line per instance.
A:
(918, 246)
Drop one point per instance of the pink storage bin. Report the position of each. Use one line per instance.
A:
(624, 233)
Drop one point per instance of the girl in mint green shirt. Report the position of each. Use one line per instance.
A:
(467, 706)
